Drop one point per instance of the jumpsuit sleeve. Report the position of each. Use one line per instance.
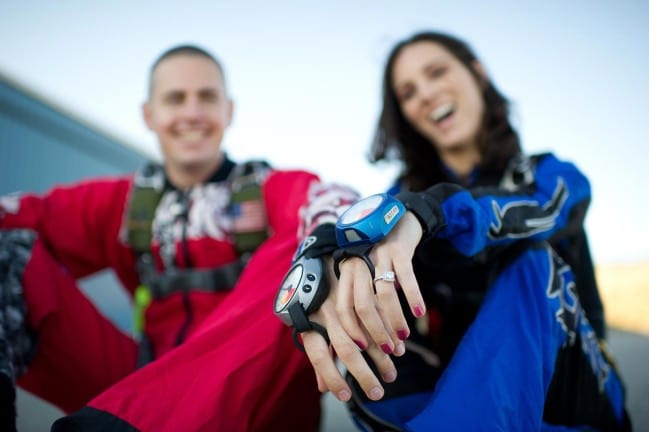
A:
(317, 203)
(284, 194)
(79, 224)
(552, 205)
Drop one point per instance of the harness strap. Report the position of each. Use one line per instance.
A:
(249, 230)
(209, 280)
(246, 207)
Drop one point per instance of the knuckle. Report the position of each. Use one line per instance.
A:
(346, 351)
(384, 295)
(363, 309)
(342, 310)
(319, 357)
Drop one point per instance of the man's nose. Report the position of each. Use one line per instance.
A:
(192, 108)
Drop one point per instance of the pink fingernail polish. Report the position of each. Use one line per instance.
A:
(360, 344)
(419, 311)
(386, 348)
(402, 334)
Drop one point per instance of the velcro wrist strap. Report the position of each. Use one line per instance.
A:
(301, 324)
(321, 241)
(360, 251)
(424, 210)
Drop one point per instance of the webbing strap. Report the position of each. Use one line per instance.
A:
(210, 280)
(148, 186)
(360, 251)
(301, 324)
(246, 207)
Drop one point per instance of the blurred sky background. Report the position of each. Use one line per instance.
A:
(305, 77)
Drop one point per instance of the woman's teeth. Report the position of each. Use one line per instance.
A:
(441, 112)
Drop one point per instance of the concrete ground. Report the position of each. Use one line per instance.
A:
(630, 349)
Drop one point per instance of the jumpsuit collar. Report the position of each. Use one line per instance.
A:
(221, 174)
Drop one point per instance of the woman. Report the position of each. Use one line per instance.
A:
(481, 266)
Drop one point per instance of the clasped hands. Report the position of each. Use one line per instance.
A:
(361, 314)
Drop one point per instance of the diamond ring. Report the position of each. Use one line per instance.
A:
(387, 276)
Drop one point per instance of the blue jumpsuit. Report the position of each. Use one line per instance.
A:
(516, 347)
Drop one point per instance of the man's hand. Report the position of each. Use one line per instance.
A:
(362, 314)
(349, 351)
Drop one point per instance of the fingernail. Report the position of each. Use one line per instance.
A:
(402, 334)
(419, 311)
(344, 395)
(386, 348)
(400, 349)
(360, 344)
(376, 393)
(390, 376)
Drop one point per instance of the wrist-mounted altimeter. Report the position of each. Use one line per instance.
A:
(301, 293)
(369, 220)
(362, 225)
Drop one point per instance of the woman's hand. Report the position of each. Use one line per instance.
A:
(376, 303)
(356, 316)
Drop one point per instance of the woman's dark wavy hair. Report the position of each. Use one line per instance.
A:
(395, 138)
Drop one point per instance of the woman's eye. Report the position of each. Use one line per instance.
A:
(405, 94)
(437, 72)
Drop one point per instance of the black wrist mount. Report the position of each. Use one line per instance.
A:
(305, 287)
(360, 251)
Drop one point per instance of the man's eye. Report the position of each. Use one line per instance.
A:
(173, 99)
(210, 97)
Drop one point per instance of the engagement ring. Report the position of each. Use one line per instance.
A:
(387, 276)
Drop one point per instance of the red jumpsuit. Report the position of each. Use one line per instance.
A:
(237, 368)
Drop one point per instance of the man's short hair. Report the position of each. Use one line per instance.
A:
(179, 50)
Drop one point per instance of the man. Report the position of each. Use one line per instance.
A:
(177, 236)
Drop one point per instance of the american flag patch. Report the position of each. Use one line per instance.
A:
(248, 216)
